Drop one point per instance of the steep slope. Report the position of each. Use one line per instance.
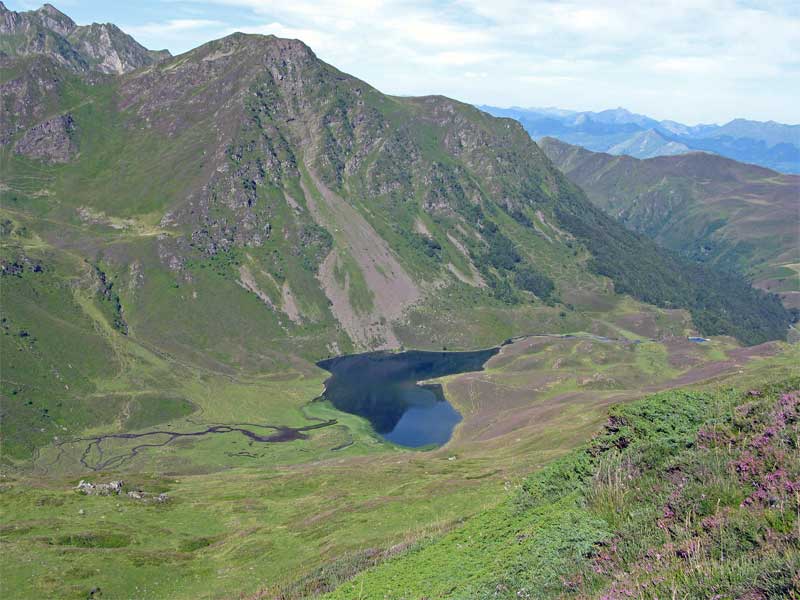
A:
(769, 144)
(293, 149)
(246, 208)
(685, 490)
(710, 208)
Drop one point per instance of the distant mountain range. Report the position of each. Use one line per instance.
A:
(711, 208)
(619, 131)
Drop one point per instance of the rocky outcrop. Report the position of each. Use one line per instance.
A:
(117, 488)
(96, 47)
(100, 489)
(111, 50)
(19, 265)
(51, 140)
(104, 289)
(147, 497)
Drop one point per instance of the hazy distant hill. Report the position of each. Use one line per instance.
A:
(711, 208)
(618, 131)
(648, 143)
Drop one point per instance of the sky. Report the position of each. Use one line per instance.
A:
(693, 61)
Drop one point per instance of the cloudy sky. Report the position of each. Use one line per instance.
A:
(688, 60)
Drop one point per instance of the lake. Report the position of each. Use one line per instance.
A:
(383, 387)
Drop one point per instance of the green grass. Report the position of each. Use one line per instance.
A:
(260, 526)
(245, 517)
(645, 509)
(200, 349)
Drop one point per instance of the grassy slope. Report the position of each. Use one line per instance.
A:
(714, 209)
(266, 520)
(197, 336)
(650, 508)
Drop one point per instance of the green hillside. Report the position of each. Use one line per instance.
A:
(183, 238)
(712, 209)
(683, 492)
(245, 197)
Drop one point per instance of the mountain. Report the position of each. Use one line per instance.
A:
(245, 205)
(618, 131)
(647, 144)
(615, 116)
(716, 210)
(769, 132)
(49, 32)
(184, 244)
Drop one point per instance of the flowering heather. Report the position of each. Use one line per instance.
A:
(770, 465)
(718, 519)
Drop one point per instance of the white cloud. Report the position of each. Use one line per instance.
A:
(316, 39)
(691, 60)
(176, 34)
(172, 26)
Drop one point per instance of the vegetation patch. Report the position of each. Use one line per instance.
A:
(93, 540)
(688, 491)
(720, 303)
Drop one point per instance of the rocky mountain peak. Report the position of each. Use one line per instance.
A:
(51, 12)
(96, 47)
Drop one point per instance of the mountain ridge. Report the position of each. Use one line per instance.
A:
(616, 131)
(102, 47)
(347, 131)
(712, 208)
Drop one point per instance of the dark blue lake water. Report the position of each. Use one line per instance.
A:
(383, 388)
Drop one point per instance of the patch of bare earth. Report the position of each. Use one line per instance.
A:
(682, 353)
(737, 358)
(289, 305)
(248, 282)
(640, 323)
(473, 277)
(790, 299)
(393, 290)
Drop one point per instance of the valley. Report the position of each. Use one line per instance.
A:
(715, 210)
(331, 340)
(269, 514)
